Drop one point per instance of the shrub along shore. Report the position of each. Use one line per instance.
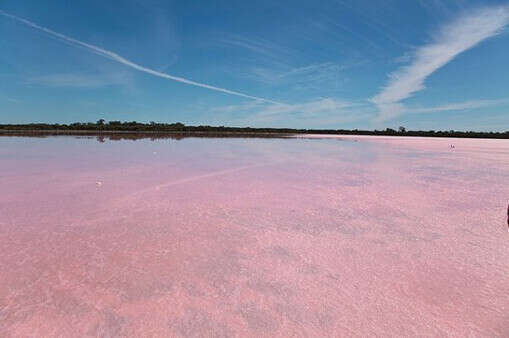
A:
(153, 128)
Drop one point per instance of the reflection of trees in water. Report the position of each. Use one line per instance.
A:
(104, 136)
(136, 136)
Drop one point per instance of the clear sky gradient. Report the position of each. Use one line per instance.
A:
(428, 64)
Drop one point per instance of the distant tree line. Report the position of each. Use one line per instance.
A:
(153, 127)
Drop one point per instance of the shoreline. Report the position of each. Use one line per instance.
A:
(178, 134)
(139, 133)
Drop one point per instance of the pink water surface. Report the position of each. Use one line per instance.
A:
(353, 236)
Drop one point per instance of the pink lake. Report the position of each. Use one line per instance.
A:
(225, 237)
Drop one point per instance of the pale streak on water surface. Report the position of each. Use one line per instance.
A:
(358, 236)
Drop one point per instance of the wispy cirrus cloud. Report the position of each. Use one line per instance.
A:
(272, 63)
(309, 73)
(439, 8)
(312, 76)
(327, 112)
(10, 99)
(371, 21)
(322, 112)
(457, 106)
(269, 50)
(308, 108)
(458, 36)
(117, 58)
(77, 80)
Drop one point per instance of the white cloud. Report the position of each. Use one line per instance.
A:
(453, 39)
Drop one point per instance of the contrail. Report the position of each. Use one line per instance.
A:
(115, 57)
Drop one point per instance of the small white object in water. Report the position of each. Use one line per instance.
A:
(98, 183)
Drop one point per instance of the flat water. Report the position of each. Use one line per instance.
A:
(349, 236)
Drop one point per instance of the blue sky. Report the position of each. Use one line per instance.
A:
(429, 64)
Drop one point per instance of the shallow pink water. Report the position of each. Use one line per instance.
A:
(358, 236)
